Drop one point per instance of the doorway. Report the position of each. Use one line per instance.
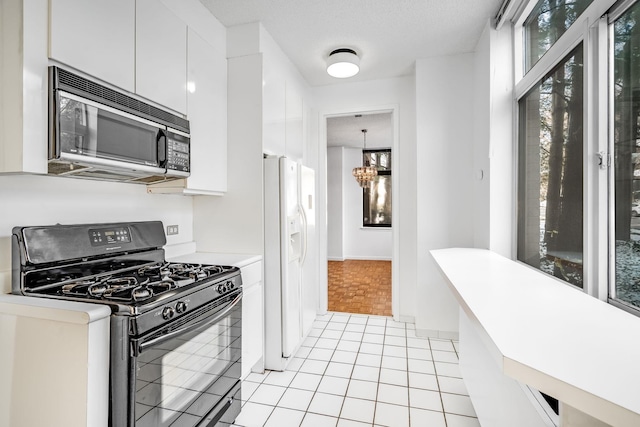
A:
(360, 236)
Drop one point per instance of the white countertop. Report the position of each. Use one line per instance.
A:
(53, 309)
(236, 260)
(555, 338)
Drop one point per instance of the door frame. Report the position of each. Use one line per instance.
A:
(322, 201)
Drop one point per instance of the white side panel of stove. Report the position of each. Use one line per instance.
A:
(55, 353)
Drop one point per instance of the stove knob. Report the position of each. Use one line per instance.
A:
(221, 289)
(231, 284)
(167, 313)
(181, 307)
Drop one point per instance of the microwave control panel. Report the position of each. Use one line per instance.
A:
(177, 152)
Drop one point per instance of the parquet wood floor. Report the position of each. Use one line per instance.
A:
(360, 286)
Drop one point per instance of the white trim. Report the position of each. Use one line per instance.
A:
(368, 258)
(570, 39)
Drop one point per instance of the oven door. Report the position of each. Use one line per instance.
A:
(188, 373)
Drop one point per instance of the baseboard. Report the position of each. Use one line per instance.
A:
(368, 258)
(335, 258)
(407, 319)
(445, 335)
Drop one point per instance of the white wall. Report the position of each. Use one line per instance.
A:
(360, 242)
(46, 200)
(347, 238)
(381, 95)
(335, 229)
(444, 116)
(493, 152)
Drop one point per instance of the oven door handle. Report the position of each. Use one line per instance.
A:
(142, 346)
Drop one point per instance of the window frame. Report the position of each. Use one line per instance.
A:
(386, 172)
(591, 29)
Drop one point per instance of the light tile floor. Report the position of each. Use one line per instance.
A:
(357, 370)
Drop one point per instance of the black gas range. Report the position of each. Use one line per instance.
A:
(169, 320)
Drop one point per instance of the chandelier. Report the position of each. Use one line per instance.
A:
(364, 174)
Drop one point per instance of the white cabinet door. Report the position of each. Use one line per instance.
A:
(294, 139)
(207, 114)
(161, 55)
(251, 328)
(96, 37)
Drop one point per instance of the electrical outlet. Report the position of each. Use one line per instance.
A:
(172, 230)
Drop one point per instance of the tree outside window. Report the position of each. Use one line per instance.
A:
(376, 200)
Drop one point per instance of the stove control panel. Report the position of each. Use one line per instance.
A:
(109, 236)
(167, 313)
(181, 307)
(223, 288)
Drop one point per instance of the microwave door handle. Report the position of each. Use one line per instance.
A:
(161, 140)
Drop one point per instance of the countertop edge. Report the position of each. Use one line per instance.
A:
(53, 309)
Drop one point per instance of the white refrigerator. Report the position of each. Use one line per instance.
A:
(290, 258)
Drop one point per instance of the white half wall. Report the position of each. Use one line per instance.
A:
(444, 194)
(335, 230)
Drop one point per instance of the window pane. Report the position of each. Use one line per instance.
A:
(546, 23)
(377, 202)
(550, 172)
(627, 156)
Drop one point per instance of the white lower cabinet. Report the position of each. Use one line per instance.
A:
(252, 319)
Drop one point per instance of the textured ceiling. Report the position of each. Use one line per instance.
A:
(388, 35)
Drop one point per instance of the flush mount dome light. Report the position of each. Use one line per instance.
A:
(343, 63)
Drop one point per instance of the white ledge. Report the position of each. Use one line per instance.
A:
(582, 351)
(53, 309)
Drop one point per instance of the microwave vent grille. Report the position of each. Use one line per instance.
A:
(90, 89)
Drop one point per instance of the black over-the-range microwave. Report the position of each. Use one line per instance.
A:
(100, 133)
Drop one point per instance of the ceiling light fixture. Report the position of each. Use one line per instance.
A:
(343, 63)
(364, 174)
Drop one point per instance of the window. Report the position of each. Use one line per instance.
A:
(550, 172)
(626, 154)
(548, 21)
(578, 184)
(376, 200)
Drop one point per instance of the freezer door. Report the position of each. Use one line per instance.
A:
(291, 247)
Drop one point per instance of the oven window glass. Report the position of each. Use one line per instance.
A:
(85, 129)
(180, 381)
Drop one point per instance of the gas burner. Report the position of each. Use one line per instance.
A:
(122, 282)
(154, 270)
(162, 286)
(132, 293)
(90, 287)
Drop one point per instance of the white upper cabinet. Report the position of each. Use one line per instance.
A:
(207, 112)
(161, 55)
(95, 37)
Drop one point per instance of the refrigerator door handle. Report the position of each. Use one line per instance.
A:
(303, 216)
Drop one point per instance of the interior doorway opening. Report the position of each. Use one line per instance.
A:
(359, 221)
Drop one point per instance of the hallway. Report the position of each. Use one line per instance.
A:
(360, 286)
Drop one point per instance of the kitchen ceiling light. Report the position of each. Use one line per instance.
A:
(343, 63)
(364, 174)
